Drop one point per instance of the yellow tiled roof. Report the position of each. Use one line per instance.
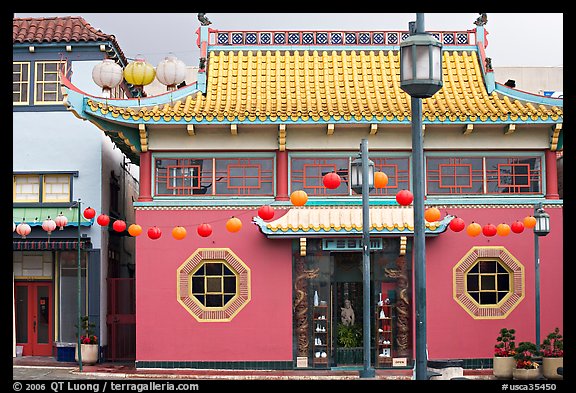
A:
(332, 86)
(346, 218)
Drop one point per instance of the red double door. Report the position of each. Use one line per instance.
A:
(34, 313)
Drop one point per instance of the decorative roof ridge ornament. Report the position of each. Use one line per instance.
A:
(481, 20)
(204, 21)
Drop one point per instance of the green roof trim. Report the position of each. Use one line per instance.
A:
(34, 216)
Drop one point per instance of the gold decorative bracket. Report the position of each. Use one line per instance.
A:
(403, 241)
(282, 137)
(555, 135)
(302, 246)
(373, 129)
(190, 129)
(143, 137)
(509, 129)
(234, 129)
(468, 130)
(330, 130)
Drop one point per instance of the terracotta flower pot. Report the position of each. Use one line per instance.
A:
(503, 367)
(526, 373)
(89, 353)
(550, 367)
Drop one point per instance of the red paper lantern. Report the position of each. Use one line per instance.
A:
(299, 198)
(179, 233)
(266, 212)
(489, 230)
(204, 230)
(119, 226)
(503, 229)
(529, 222)
(432, 214)
(331, 180)
(49, 225)
(380, 179)
(23, 230)
(473, 229)
(61, 221)
(517, 227)
(233, 224)
(134, 230)
(457, 224)
(103, 220)
(404, 197)
(89, 213)
(154, 232)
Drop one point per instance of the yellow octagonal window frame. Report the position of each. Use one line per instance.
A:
(493, 311)
(193, 305)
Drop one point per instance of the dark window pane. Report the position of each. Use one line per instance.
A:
(488, 283)
(213, 269)
(488, 298)
(227, 298)
(503, 282)
(472, 282)
(198, 285)
(230, 285)
(214, 301)
(488, 267)
(501, 269)
(475, 296)
(475, 269)
(200, 271)
(201, 299)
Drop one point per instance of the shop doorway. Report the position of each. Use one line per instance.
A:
(347, 291)
(34, 327)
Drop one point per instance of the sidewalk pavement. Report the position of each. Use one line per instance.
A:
(129, 371)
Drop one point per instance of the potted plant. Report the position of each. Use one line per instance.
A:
(552, 350)
(88, 342)
(504, 351)
(526, 365)
(349, 349)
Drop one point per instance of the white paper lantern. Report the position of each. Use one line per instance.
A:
(108, 75)
(49, 225)
(23, 229)
(171, 72)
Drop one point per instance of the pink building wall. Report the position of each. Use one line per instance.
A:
(451, 331)
(261, 331)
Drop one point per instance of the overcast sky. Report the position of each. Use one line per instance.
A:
(517, 40)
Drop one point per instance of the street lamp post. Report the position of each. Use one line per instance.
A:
(542, 228)
(420, 77)
(362, 182)
(79, 293)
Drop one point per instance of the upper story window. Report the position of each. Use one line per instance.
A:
(41, 188)
(214, 176)
(20, 83)
(47, 82)
(307, 174)
(483, 175)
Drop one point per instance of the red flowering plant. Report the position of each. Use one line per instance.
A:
(553, 345)
(88, 336)
(526, 352)
(506, 346)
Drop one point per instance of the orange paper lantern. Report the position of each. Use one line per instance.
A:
(529, 222)
(134, 230)
(473, 229)
(233, 224)
(503, 229)
(380, 179)
(432, 214)
(299, 198)
(179, 233)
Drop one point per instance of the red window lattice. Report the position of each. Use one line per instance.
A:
(488, 175)
(232, 176)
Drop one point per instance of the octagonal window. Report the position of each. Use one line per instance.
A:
(213, 284)
(488, 282)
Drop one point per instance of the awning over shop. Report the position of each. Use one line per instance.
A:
(49, 245)
(346, 221)
(34, 216)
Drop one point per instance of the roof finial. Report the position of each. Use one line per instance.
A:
(481, 20)
(204, 21)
